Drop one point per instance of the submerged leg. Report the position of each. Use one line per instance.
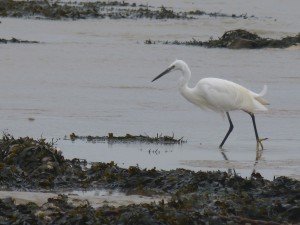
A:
(258, 140)
(228, 132)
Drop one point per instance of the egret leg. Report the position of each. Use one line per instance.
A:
(258, 140)
(228, 132)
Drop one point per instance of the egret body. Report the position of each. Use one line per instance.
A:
(220, 96)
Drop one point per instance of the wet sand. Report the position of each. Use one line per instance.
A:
(96, 200)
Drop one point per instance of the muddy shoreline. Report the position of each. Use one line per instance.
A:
(200, 197)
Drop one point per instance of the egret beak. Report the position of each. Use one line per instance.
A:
(163, 73)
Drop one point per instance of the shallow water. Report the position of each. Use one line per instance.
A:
(92, 77)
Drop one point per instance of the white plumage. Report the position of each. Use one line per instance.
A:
(219, 95)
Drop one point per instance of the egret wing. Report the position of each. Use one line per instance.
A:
(222, 95)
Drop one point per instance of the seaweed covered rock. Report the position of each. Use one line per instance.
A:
(238, 39)
(28, 163)
(30, 154)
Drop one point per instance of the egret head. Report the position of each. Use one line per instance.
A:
(176, 65)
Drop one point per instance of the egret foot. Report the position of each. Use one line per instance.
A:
(259, 143)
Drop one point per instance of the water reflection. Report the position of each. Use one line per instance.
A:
(258, 156)
(227, 162)
(230, 167)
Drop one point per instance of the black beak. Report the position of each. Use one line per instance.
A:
(163, 73)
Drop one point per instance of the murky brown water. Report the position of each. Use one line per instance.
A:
(94, 77)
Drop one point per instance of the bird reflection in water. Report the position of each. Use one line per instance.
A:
(231, 170)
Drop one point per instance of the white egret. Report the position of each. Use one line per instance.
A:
(220, 96)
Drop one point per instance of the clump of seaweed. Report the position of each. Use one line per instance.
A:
(165, 13)
(15, 40)
(238, 39)
(129, 138)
